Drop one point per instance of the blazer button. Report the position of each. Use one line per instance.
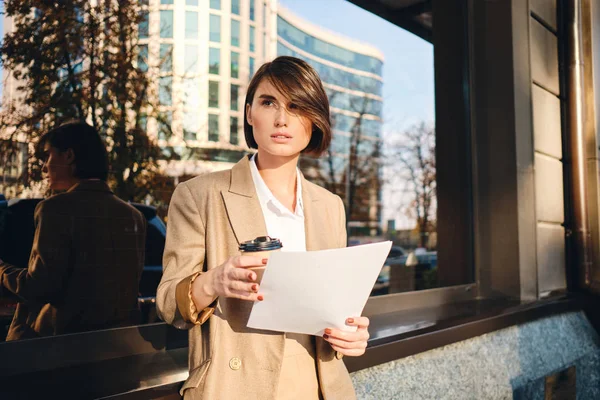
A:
(235, 363)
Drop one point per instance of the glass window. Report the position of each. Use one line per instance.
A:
(191, 90)
(235, 92)
(190, 59)
(233, 130)
(264, 15)
(251, 10)
(235, 7)
(251, 66)
(165, 120)
(214, 60)
(235, 64)
(235, 33)
(213, 94)
(165, 90)
(143, 27)
(213, 127)
(166, 57)
(252, 32)
(191, 2)
(166, 1)
(190, 125)
(166, 23)
(215, 28)
(215, 4)
(143, 57)
(191, 25)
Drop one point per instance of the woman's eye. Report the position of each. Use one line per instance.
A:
(267, 102)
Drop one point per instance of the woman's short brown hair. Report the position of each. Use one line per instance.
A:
(297, 80)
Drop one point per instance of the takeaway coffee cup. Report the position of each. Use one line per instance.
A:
(261, 247)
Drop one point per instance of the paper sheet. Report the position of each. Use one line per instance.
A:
(306, 292)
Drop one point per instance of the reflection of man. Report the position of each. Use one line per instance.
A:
(88, 249)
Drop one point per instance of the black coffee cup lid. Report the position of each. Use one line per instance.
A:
(261, 243)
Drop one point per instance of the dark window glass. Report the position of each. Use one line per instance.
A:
(233, 130)
(235, 64)
(214, 60)
(213, 127)
(235, 92)
(213, 94)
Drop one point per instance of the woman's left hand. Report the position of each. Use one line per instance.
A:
(350, 343)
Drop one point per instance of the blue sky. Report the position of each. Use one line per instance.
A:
(408, 86)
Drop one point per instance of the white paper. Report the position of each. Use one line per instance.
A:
(306, 292)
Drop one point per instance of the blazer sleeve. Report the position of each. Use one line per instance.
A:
(183, 261)
(42, 281)
(343, 235)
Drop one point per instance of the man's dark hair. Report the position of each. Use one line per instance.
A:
(91, 158)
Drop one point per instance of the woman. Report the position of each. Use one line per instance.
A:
(207, 285)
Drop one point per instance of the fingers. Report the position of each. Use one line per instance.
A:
(349, 352)
(248, 261)
(348, 340)
(243, 295)
(361, 322)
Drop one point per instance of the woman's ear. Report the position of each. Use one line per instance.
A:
(70, 156)
(249, 114)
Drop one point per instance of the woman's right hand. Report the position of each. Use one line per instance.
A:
(234, 279)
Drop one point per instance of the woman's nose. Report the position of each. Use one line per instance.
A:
(281, 118)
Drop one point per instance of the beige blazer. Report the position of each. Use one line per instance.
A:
(85, 265)
(208, 217)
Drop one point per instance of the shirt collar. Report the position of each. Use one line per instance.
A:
(266, 196)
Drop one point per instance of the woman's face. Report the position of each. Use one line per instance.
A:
(279, 128)
(58, 167)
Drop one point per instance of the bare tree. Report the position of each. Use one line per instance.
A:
(411, 161)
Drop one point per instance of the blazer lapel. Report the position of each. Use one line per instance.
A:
(312, 218)
(243, 208)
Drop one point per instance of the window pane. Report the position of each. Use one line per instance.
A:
(143, 57)
(164, 120)
(166, 1)
(215, 28)
(235, 64)
(251, 66)
(166, 57)
(235, 33)
(251, 10)
(233, 130)
(191, 93)
(165, 90)
(234, 97)
(191, 2)
(190, 125)
(264, 15)
(191, 59)
(213, 94)
(213, 128)
(191, 25)
(143, 27)
(252, 30)
(215, 4)
(214, 60)
(166, 23)
(235, 7)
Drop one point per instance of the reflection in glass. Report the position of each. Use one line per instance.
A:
(143, 57)
(251, 66)
(234, 97)
(165, 90)
(252, 39)
(214, 60)
(190, 125)
(235, 64)
(215, 28)
(166, 57)
(215, 4)
(235, 33)
(166, 23)
(213, 94)
(191, 25)
(233, 130)
(235, 7)
(190, 59)
(213, 127)
(143, 27)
